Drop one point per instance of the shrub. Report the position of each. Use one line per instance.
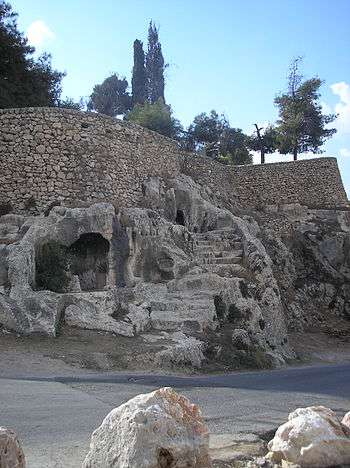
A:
(30, 204)
(5, 208)
(52, 267)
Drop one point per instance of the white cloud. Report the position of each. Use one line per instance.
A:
(345, 152)
(38, 33)
(342, 108)
(326, 109)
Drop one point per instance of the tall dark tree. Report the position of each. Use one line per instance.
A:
(139, 77)
(24, 81)
(110, 97)
(154, 66)
(301, 124)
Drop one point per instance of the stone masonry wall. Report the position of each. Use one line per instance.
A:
(311, 182)
(49, 155)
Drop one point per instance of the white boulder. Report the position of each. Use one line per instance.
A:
(346, 421)
(154, 430)
(11, 453)
(312, 437)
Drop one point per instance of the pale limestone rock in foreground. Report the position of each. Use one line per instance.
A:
(11, 453)
(312, 437)
(346, 420)
(153, 430)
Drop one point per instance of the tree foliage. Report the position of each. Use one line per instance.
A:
(69, 103)
(264, 140)
(52, 267)
(233, 147)
(212, 134)
(24, 81)
(139, 77)
(110, 97)
(205, 132)
(301, 124)
(157, 117)
(154, 66)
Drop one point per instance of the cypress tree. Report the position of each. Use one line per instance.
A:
(139, 78)
(154, 66)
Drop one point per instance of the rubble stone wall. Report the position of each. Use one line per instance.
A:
(311, 182)
(49, 155)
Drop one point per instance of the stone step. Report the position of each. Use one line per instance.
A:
(233, 238)
(220, 261)
(217, 247)
(163, 320)
(190, 303)
(221, 254)
(229, 271)
(216, 231)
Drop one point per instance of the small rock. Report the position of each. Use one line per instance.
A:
(11, 453)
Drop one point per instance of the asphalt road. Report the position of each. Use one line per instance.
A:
(55, 416)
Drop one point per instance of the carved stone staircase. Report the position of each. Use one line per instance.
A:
(219, 252)
(193, 309)
(176, 311)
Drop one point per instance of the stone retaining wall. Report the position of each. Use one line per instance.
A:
(311, 182)
(49, 155)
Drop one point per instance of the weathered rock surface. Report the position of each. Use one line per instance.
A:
(155, 430)
(212, 285)
(11, 453)
(312, 437)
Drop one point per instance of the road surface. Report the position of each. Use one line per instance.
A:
(55, 416)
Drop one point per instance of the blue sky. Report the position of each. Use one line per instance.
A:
(228, 55)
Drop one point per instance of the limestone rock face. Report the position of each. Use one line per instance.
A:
(154, 430)
(311, 261)
(204, 279)
(23, 308)
(11, 453)
(312, 437)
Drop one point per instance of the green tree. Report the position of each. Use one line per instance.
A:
(139, 77)
(110, 97)
(24, 81)
(301, 124)
(264, 140)
(154, 66)
(205, 132)
(212, 134)
(157, 117)
(233, 147)
(69, 103)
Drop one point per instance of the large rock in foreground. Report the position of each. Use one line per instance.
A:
(11, 453)
(313, 437)
(155, 430)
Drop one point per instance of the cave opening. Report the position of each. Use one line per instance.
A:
(89, 261)
(180, 217)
